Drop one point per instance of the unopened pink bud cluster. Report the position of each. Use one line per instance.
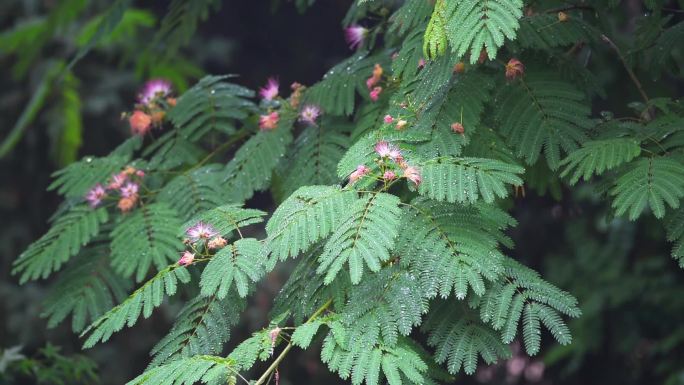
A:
(153, 101)
(269, 93)
(125, 183)
(392, 164)
(201, 235)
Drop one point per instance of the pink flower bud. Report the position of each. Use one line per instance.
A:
(186, 258)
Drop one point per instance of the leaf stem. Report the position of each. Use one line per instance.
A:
(282, 354)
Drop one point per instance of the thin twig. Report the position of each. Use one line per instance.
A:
(629, 70)
(282, 354)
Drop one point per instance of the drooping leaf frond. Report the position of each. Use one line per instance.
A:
(142, 301)
(87, 289)
(525, 296)
(211, 105)
(460, 338)
(648, 181)
(79, 177)
(464, 104)
(65, 238)
(675, 234)
(335, 94)
(251, 168)
(467, 180)
(391, 303)
(195, 191)
(473, 26)
(202, 327)
(210, 370)
(315, 155)
(181, 21)
(307, 216)
(365, 236)
(146, 237)
(399, 365)
(239, 264)
(449, 248)
(598, 156)
(539, 115)
(546, 31)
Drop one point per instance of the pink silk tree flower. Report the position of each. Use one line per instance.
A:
(95, 195)
(388, 119)
(375, 93)
(155, 88)
(217, 243)
(387, 150)
(201, 231)
(117, 181)
(269, 122)
(186, 258)
(270, 91)
(355, 35)
(514, 69)
(140, 123)
(129, 189)
(389, 175)
(411, 173)
(309, 114)
(360, 171)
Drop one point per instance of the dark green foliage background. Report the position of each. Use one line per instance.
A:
(630, 291)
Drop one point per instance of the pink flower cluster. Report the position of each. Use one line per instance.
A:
(126, 183)
(309, 114)
(373, 81)
(200, 235)
(400, 124)
(391, 163)
(153, 101)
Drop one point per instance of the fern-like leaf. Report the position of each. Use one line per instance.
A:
(79, 177)
(400, 364)
(675, 234)
(452, 247)
(459, 339)
(648, 181)
(195, 191)
(86, 289)
(307, 216)
(202, 327)
(538, 115)
(211, 104)
(210, 370)
(65, 238)
(146, 237)
(475, 26)
(251, 168)
(236, 264)
(335, 93)
(524, 296)
(365, 237)
(467, 180)
(389, 305)
(464, 104)
(598, 156)
(315, 155)
(149, 296)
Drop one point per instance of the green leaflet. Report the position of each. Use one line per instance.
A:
(65, 238)
(364, 237)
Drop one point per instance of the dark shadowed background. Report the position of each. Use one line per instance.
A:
(630, 291)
